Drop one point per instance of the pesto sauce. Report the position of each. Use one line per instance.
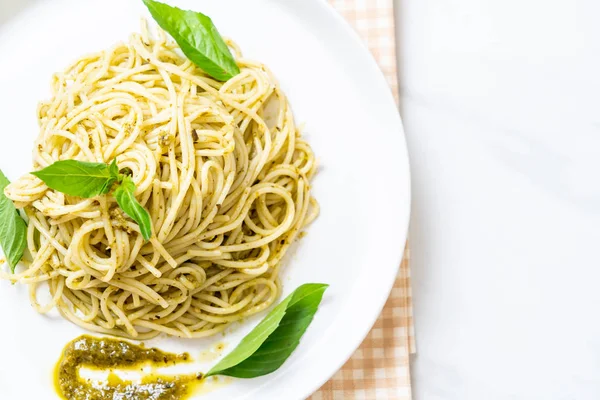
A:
(109, 354)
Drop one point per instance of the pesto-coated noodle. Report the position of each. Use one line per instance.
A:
(220, 166)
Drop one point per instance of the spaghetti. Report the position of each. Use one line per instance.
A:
(220, 166)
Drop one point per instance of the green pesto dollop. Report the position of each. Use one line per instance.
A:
(110, 354)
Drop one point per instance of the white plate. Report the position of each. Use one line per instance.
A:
(334, 87)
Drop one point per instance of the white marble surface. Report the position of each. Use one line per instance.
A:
(501, 105)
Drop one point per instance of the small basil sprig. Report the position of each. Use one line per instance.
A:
(274, 339)
(79, 178)
(124, 194)
(13, 230)
(197, 37)
(85, 179)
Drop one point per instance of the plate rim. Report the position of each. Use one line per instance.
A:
(359, 42)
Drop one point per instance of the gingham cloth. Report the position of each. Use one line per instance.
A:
(380, 368)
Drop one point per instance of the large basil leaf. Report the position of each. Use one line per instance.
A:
(268, 345)
(13, 230)
(198, 38)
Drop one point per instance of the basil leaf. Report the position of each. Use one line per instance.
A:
(267, 347)
(128, 203)
(13, 230)
(198, 38)
(78, 178)
(113, 169)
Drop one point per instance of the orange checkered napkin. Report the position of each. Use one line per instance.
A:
(380, 369)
